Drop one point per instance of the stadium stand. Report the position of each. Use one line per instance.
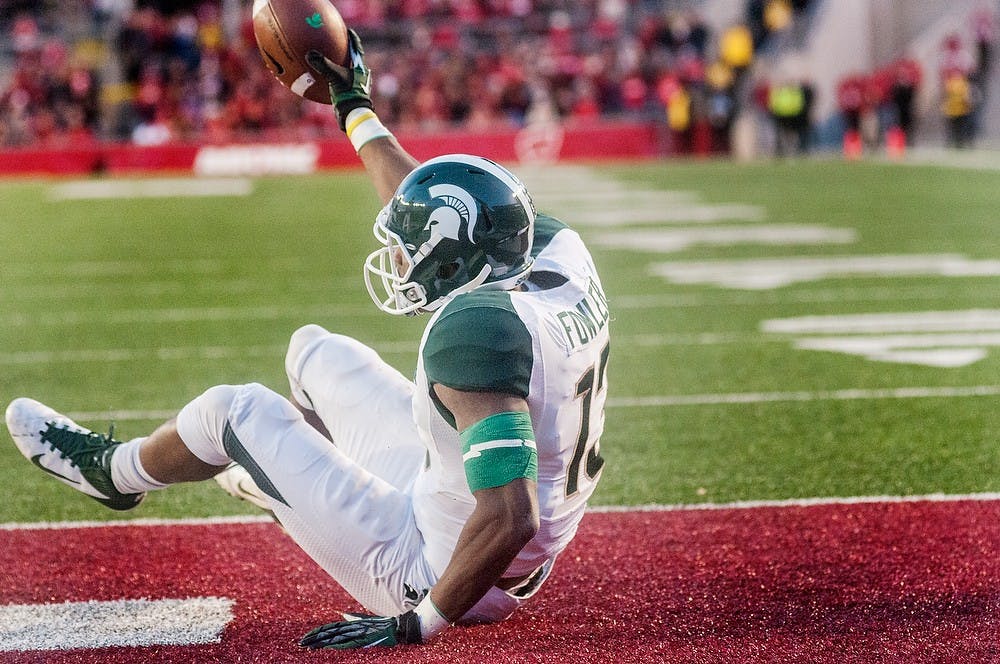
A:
(162, 73)
(151, 76)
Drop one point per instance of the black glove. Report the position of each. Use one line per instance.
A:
(365, 632)
(349, 88)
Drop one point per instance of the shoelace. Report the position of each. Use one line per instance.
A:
(73, 444)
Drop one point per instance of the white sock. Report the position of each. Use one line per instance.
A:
(127, 473)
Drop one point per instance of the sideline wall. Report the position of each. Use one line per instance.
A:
(534, 144)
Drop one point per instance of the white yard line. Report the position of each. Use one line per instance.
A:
(187, 314)
(776, 272)
(620, 302)
(672, 240)
(693, 213)
(187, 353)
(800, 502)
(150, 188)
(124, 622)
(188, 521)
(966, 320)
(771, 297)
(661, 401)
(598, 509)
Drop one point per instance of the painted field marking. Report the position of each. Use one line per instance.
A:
(150, 188)
(934, 350)
(34, 270)
(166, 354)
(138, 354)
(673, 240)
(967, 320)
(946, 339)
(804, 296)
(137, 288)
(188, 314)
(587, 198)
(619, 302)
(800, 502)
(572, 198)
(188, 353)
(856, 394)
(768, 273)
(979, 160)
(682, 213)
(77, 270)
(546, 179)
(94, 624)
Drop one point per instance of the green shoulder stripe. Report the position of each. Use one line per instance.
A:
(480, 344)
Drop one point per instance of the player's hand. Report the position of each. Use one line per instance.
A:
(365, 632)
(349, 88)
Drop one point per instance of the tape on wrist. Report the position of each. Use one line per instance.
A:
(431, 620)
(362, 125)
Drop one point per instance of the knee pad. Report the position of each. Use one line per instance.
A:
(201, 423)
(301, 344)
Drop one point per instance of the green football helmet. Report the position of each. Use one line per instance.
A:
(455, 223)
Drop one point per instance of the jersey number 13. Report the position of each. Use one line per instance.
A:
(591, 449)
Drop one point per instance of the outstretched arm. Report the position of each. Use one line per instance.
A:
(387, 164)
(384, 158)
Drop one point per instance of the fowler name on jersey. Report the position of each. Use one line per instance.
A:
(580, 324)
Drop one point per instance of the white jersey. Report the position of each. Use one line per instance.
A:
(549, 344)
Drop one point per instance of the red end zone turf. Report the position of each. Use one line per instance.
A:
(899, 582)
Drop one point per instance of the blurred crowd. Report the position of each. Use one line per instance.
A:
(965, 69)
(878, 108)
(152, 72)
(85, 70)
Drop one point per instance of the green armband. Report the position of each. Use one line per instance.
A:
(499, 449)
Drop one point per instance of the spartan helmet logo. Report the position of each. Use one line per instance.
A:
(458, 206)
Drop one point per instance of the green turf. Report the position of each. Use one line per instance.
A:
(171, 296)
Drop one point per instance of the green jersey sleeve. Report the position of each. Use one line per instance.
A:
(480, 344)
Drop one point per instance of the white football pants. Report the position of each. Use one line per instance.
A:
(348, 504)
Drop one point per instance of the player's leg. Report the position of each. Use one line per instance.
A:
(367, 403)
(362, 403)
(357, 527)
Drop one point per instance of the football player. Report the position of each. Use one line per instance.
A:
(436, 501)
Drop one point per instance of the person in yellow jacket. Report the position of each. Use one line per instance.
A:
(958, 103)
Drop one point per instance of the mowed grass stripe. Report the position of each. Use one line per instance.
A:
(150, 315)
(217, 352)
(668, 401)
(49, 318)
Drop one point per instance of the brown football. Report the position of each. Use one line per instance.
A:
(288, 29)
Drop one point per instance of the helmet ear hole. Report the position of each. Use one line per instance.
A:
(448, 270)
